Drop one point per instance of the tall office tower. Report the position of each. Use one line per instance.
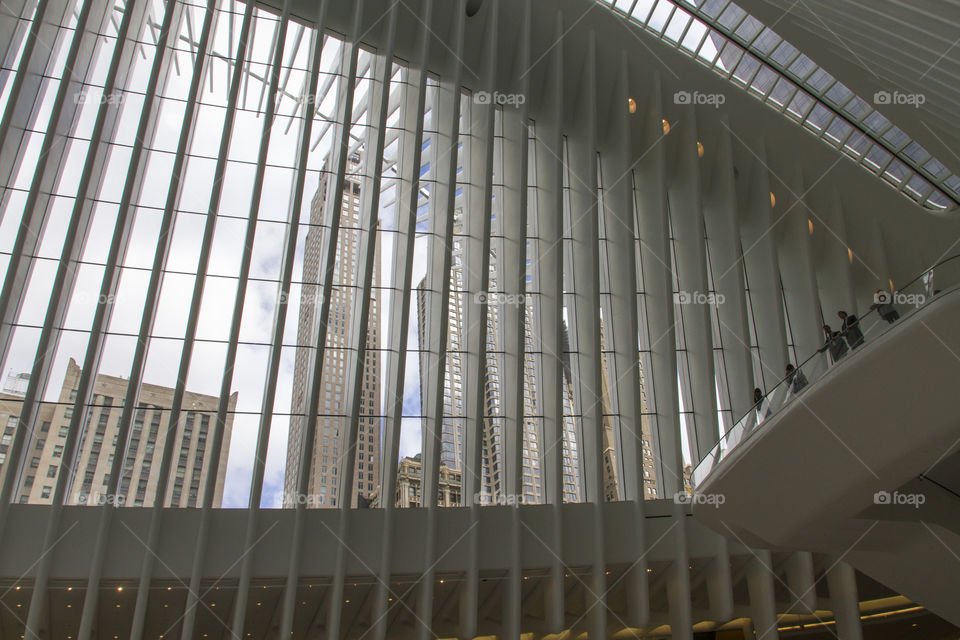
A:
(90, 469)
(339, 358)
(452, 445)
(454, 408)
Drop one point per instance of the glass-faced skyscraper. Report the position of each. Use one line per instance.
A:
(492, 453)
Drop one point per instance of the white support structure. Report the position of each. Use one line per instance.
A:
(763, 276)
(686, 215)
(842, 583)
(527, 211)
(653, 232)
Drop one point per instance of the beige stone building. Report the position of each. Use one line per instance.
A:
(409, 477)
(44, 454)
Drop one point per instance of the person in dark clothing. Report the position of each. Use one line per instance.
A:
(850, 329)
(795, 379)
(882, 302)
(760, 405)
(834, 343)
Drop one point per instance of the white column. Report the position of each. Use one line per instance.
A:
(721, 216)
(763, 276)
(513, 317)
(479, 191)
(412, 108)
(549, 153)
(585, 232)
(796, 269)
(842, 582)
(686, 213)
(622, 328)
(763, 606)
(651, 181)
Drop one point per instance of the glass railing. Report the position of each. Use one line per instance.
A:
(888, 308)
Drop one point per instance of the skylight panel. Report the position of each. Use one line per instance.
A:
(916, 152)
(819, 118)
(857, 108)
(678, 26)
(877, 158)
(936, 169)
(877, 122)
(782, 92)
(802, 67)
(695, 37)
(730, 58)
(896, 172)
(642, 10)
(746, 69)
(731, 17)
(784, 53)
(918, 187)
(838, 94)
(938, 200)
(766, 42)
(658, 21)
(953, 183)
(857, 145)
(820, 80)
(838, 131)
(711, 47)
(802, 103)
(764, 80)
(712, 8)
(896, 137)
(748, 29)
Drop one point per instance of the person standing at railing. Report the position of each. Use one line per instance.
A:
(882, 302)
(795, 379)
(834, 344)
(851, 329)
(761, 405)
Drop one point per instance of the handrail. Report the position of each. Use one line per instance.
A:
(745, 423)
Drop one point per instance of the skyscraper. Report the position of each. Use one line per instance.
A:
(333, 410)
(452, 423)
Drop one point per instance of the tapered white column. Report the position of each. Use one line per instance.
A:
(585, 233)
(513, 280)
(797, 271)
(686, 213)
(622, 329)
(479, 191)
(654, 230)
(722, 219)
(763, 276)
(549, 153)
(412, 107)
